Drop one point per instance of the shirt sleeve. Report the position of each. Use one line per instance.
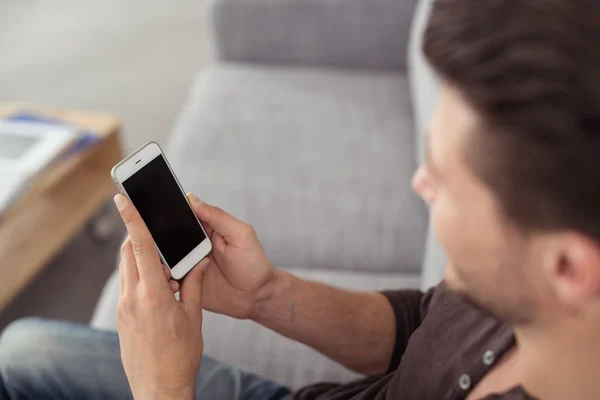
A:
(410, 308)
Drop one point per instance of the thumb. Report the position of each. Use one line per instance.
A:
(191, 287)
(223, 223)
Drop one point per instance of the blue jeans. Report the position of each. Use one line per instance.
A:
(41, 359)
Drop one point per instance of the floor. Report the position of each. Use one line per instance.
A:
(133, 59)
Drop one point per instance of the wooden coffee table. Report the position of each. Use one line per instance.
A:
(58, 203)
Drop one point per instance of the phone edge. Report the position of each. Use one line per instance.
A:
(124, 192)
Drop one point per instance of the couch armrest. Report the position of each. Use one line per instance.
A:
(342, 33)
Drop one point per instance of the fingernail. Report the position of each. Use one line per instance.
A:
(195, 198)
(120, 202)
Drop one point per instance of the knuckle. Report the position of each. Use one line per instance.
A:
(128, 217)
(123, 308)
(139, 247)
(120, 312)
(125, 248)
(148, 296)
(249, 231)
(216, 212)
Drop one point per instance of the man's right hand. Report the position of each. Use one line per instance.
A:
(356, 329)
(239, 273)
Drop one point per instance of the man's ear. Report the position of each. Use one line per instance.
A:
(572, 267)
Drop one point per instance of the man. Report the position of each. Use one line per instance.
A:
(512, 180)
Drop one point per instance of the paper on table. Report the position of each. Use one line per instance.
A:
(25, 150)
(12, 184)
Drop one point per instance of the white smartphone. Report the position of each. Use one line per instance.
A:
(147, 179)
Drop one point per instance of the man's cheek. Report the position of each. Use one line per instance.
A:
(443, 227)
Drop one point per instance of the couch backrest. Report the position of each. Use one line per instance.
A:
(424, 84)
(424, 89)
(363, 34)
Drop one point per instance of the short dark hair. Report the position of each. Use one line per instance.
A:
(531, 69)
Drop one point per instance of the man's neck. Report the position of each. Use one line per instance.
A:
(559, 365)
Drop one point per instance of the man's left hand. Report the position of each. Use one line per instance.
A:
(160, 337)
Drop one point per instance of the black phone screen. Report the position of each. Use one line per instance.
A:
(158, 198)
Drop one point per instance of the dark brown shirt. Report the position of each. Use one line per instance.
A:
(444, 347)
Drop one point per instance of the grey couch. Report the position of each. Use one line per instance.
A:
(307, 129)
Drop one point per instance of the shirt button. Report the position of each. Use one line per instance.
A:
(489, 357)
(464, 382)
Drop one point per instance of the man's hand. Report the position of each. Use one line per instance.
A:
(241, 282)
(160, 337)
(241, 272)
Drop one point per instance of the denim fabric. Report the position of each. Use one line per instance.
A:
(44, 359)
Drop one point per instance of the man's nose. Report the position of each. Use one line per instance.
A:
(422, 184)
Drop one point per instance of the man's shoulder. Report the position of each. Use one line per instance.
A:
(446, 308)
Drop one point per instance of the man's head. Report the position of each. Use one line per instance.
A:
(513, 168)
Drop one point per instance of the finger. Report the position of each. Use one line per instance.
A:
(146, 256)
(209, 229)
(219, 243)
(127, 267)
(193, 199)
(167, 272)
(174, 285)
(191, 288)
(214, 235)
(223, 223)
(121, 277)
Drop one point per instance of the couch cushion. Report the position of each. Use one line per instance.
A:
(318, 161)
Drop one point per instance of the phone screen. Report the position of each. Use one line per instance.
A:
(158, 198)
